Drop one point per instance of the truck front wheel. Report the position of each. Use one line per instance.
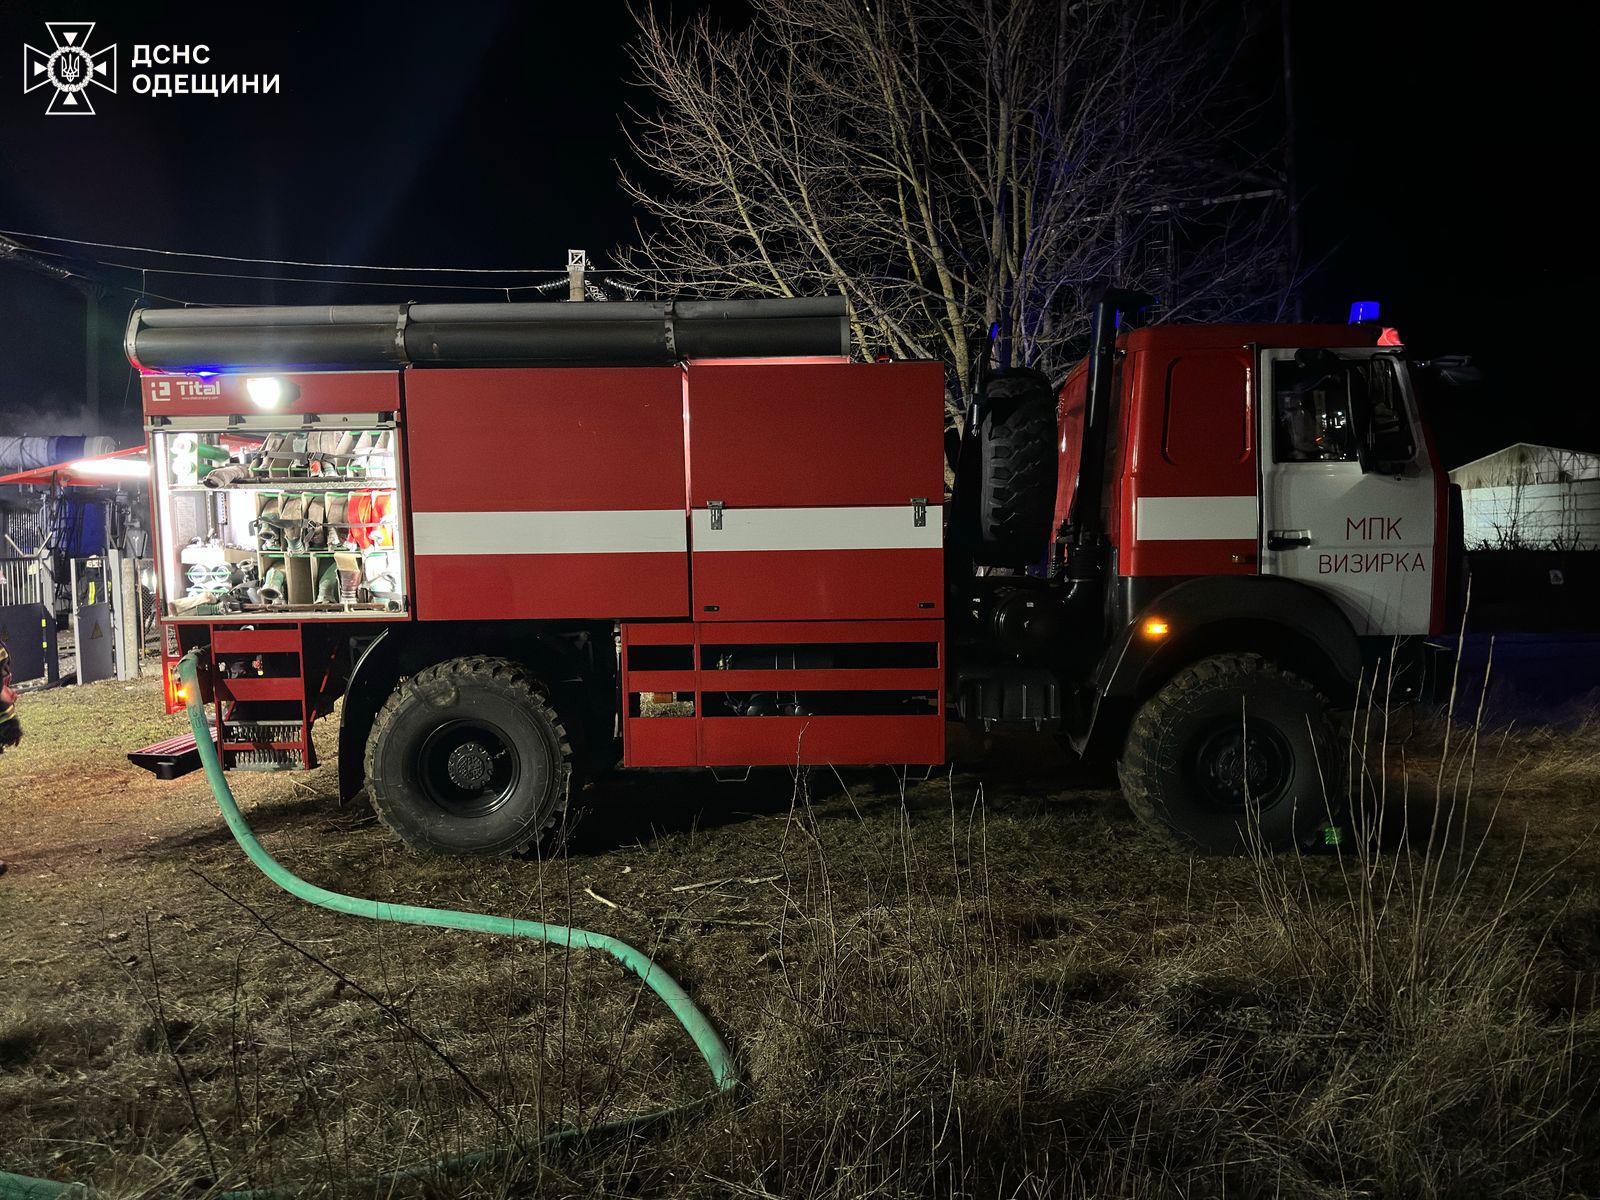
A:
(1233, 753)
(468, 757)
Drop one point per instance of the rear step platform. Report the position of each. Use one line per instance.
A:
(170, 759)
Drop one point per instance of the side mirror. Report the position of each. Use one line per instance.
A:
(1384, 442)
(1457, 370)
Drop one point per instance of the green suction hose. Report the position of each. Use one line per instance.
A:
(706, 1039)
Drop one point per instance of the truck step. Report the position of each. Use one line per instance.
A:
(171, 759)
(260, 692)
(257, 759)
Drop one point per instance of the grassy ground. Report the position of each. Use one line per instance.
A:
(993, 984)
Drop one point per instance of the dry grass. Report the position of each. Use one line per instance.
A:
(992, 984)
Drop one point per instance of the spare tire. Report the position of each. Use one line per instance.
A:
(1017, 460)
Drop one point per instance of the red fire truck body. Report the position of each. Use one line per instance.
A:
(521, 556)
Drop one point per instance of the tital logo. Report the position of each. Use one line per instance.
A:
(69, 68)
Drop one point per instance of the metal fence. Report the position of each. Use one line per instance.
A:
(25, 581)
(1533, 516)
(21, 530)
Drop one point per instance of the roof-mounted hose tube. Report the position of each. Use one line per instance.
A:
(354, 336)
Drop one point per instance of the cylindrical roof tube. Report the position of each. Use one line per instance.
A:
(269, 315)
(367, 335)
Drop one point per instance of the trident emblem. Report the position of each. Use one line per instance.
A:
(69, 68)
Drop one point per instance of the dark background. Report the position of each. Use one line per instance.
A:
(1435, 158)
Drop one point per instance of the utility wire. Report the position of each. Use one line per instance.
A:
(288, 262)
(9, 252)
(265, 278)
(596, 284)
(377, 283)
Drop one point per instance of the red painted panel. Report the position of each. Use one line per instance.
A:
(741, 741)
(547, 439)
(1441, 526)
(778, 741)
(1193, 558)
(784, 632)
(898, 679)
(662, 681)
(1190, 419)
(310, 392)
(257, 688)
(255, 641)
(1165, 340)
(778, 585)
(525, 439)
(660, 742)
(550, 586)
(1069, 439)
(779, 435)
(1206, 417)
(658, 635)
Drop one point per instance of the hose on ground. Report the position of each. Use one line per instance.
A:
(707, 1041)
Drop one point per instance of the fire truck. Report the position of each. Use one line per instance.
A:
(514, 546)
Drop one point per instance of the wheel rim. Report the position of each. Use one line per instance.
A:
(1243, 764)
(469, 768)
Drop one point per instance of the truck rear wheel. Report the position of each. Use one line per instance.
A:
(468, 757)
(1017, 455)
(1234, 752)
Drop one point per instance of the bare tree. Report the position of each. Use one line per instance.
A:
(952, 166)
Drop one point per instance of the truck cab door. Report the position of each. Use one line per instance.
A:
(1347, 488)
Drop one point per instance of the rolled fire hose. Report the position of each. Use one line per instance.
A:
(712, 1048)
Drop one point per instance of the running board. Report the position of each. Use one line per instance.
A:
(171, 759)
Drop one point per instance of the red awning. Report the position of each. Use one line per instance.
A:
(120, 466)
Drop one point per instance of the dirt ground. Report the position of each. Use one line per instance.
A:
(989, 983)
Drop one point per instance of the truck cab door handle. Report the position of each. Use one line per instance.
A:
(1288, 539)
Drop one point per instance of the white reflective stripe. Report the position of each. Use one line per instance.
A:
(890, 527)
(590, 531)
(1194, 518)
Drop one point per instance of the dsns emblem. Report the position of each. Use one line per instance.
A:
(69, 68)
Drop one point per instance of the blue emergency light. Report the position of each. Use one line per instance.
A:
(1363, 310)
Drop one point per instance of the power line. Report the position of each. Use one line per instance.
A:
(9, 252)
(262, 278)
(283, 262)
(597, 284)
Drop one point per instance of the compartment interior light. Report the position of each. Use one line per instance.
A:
(266, 391)
(111, 468)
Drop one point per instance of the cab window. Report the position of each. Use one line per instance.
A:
(1317, 406)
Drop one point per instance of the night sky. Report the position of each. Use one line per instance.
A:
(1435, 158)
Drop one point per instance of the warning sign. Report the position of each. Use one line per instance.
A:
(98, 632)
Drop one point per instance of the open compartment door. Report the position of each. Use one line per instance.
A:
(267, 517)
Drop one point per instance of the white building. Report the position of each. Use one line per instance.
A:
(1531, 497)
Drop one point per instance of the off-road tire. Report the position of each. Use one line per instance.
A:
(1017, 463)
(1165, 790)
(495, 692)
